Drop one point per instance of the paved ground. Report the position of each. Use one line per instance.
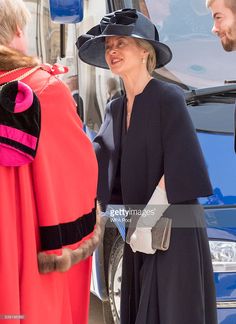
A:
(95, 313)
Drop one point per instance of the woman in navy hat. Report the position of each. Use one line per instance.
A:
(147, 134)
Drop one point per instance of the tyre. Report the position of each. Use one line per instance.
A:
(114, 277)
(107, 314)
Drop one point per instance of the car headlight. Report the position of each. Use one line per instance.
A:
(223, 254)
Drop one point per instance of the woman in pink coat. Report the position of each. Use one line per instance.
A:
(48, 181)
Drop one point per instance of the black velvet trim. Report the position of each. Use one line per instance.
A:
(55, 237)
(28, 121)
(18, 146)
(8, 96)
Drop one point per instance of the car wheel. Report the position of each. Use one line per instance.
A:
(107, 314)
(114, 278)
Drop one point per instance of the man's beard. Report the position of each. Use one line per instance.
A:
(229, 43)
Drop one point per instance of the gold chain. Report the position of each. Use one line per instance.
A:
(12, 71)
(21, 76)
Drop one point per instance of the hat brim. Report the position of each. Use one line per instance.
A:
(92, 51)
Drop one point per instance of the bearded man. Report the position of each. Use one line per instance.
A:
(224, 15)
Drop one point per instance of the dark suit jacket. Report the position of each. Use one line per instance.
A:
(161, 140)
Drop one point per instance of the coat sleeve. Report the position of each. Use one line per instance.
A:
(186, 175)
(103, 158)
(107, 146)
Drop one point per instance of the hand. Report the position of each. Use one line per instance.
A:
(141, 240)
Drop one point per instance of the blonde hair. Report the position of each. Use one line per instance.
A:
(231, 4)
(13, 14)
(152, 59)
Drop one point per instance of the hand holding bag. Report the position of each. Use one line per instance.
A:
(151, 232)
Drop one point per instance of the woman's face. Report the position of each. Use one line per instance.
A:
(123, 55)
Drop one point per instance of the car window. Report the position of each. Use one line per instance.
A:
(198, 57)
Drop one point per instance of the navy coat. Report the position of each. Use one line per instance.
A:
(160, 140)
(175, 286)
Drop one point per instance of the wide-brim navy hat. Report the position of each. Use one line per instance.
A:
(125, 22)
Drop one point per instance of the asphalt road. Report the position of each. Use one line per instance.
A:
(95, 311)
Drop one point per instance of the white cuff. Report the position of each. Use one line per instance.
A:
(155, 208)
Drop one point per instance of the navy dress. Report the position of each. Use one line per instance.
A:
(175, 286)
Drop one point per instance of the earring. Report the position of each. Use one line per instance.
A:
(143, 60)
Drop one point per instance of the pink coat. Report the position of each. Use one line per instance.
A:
(58, 187)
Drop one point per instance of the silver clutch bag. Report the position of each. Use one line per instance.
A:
(161, 234)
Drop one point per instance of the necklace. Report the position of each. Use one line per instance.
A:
(128, 113)
(21, 77)
(11, 71)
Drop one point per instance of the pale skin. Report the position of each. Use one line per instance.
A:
(19, 41)
(224, 24)
(128, 60)
(125, 58)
